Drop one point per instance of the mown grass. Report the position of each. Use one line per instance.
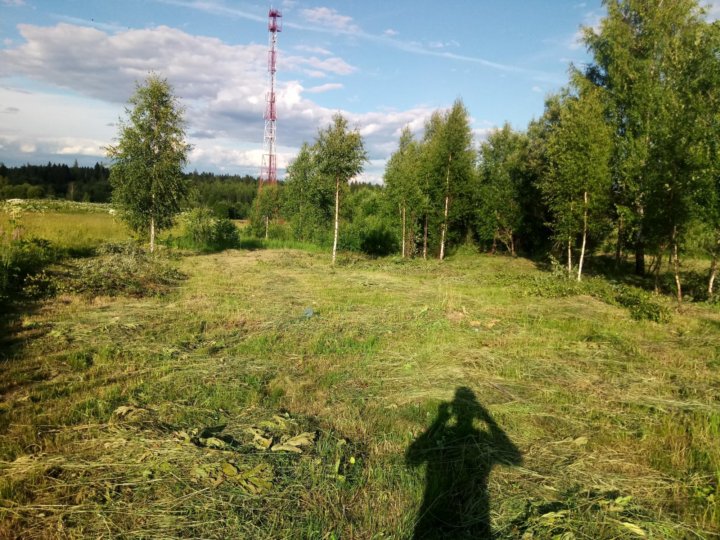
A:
(617, 420)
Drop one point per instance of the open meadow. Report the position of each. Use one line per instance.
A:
(265, 394)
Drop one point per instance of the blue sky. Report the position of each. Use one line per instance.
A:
(67, 68)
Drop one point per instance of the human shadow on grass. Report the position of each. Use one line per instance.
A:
(459, 459)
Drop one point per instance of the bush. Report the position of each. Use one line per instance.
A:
(20, 258)
(205, 232)
(641, 305)
(369, 236)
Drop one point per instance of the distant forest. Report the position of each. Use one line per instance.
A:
(228, 196)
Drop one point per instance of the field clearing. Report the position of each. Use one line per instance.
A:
(76, 226)
(153, 416)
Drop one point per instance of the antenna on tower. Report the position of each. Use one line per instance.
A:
(268, 170)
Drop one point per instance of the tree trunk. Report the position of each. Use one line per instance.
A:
(584, 238)
(713, 275)
(442, 231)
(337, 218)
(425, 238)
(640, 247)
(655, 268)
(713, 268)
(618, 245)
(267, 226)
(445, 215)
(403, 231)
(676, 264)
(569, 256)
(152, 234)
(512, 244)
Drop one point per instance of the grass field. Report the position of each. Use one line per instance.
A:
(76, 226)
(269, 395)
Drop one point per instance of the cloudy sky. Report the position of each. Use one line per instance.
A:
(68, 67)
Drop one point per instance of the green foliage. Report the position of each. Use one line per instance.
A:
(228, 196)
(657, 66)
(146, 175)
(338, 155)
(266, 209)
(203, 231)
(577, 186)
(73, 183)
(21, 258)
(450, 181)
(403, 188)
(502, 175)
(370, 235)
(641, 305)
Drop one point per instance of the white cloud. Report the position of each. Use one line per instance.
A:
(324, 88)
(713, 9)
(537, 89)
(312, 50)
(222, 87)
(13, 3)
(334, 65)
(443, 44)
(331, 19)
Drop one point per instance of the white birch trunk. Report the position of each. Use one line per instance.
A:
(584, 238)
(676, 265)
(569, 256)
(713, 269)
(445, 215)
(713, 275)
(403, 231)
(267, 226)
(337, 218)
(425, 238)
(152, 235)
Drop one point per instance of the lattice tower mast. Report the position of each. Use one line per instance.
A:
(268, 171)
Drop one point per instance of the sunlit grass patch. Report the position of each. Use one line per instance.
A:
(616, 419)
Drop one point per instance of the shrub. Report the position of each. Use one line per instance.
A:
(203, 231)
(641, 305)
(20, 258)
(369, 236)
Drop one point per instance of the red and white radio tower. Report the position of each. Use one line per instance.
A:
(268, 171)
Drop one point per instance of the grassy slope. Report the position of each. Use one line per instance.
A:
(602, 407)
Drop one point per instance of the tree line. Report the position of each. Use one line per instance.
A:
(623, 159)
(229, 196)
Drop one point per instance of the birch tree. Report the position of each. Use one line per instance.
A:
(148, 159)
(339, 156)
(577, 188)
(402, 184)
(501, 175)
(449, 166)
